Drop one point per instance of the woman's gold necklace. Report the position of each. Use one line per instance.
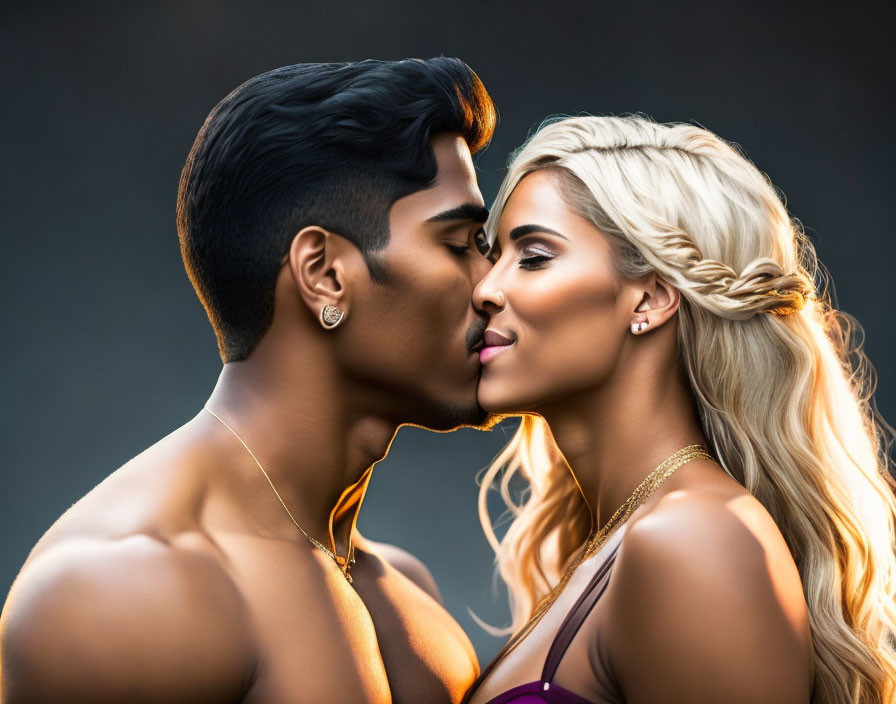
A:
(641, 493)
(344, 563)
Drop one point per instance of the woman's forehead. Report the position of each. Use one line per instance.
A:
(535, 199)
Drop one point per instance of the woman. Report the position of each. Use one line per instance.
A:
(653, 305)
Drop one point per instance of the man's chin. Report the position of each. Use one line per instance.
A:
(448, 417)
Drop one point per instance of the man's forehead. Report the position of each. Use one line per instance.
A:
(453, 155)
(456, 175)
(454, 195)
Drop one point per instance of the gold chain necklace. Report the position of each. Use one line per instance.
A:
(344, 563)
(641, 493)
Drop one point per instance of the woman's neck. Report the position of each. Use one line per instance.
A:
(615, 435)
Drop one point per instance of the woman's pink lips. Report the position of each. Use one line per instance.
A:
(487, 353)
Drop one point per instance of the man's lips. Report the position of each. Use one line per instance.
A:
(495, 344)
(475, 341)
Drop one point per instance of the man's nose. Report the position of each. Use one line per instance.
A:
(480, 269)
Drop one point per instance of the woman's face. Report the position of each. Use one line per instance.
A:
(554, 299)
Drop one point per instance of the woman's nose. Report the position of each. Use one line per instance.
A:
(488, 293)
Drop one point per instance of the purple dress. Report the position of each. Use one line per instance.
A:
(544, 691)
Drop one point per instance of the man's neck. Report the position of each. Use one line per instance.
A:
(307, 434)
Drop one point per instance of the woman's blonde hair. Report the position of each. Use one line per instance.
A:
(783, 388)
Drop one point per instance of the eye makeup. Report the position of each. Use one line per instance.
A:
(533, 253)
(533, 256)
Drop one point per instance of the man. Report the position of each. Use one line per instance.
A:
(330, 220)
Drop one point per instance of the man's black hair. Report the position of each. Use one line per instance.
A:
(333, 145)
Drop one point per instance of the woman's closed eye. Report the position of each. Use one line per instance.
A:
(533, 257)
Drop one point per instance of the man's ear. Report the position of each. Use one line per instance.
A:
(318, 260)
(659, 300)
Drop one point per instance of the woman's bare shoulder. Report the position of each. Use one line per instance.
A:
(699, 496)
(706, 597)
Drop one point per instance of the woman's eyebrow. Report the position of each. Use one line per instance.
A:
(523, 230)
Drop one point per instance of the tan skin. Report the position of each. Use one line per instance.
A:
(180, 578)
(705, 604)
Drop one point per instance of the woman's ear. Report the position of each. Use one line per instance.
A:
(659, 301)
(317, 264)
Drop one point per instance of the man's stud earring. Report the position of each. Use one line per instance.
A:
(331, 316)
(638, 327)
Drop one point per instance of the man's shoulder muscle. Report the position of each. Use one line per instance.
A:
(106, 620)
(410, 566)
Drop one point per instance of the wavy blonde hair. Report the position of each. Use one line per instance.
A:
(783, 388)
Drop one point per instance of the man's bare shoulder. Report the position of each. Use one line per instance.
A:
(406, 563)
(158, 483)
(119, 620)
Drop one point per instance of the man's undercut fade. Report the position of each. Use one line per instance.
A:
(333, 145)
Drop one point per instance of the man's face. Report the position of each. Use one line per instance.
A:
(412, 335)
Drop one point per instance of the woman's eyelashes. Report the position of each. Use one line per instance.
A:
(534, 257)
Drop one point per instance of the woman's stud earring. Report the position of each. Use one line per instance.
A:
(331, 316)
(638, 327)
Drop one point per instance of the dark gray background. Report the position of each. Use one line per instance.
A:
(105, 346)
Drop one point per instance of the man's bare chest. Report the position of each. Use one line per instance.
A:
(321, 639)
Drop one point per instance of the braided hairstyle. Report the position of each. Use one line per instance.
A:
(783, 389)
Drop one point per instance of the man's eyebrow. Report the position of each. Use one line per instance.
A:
(524, 230)
(467, 211)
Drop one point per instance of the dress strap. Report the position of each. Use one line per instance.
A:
(576, 617)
